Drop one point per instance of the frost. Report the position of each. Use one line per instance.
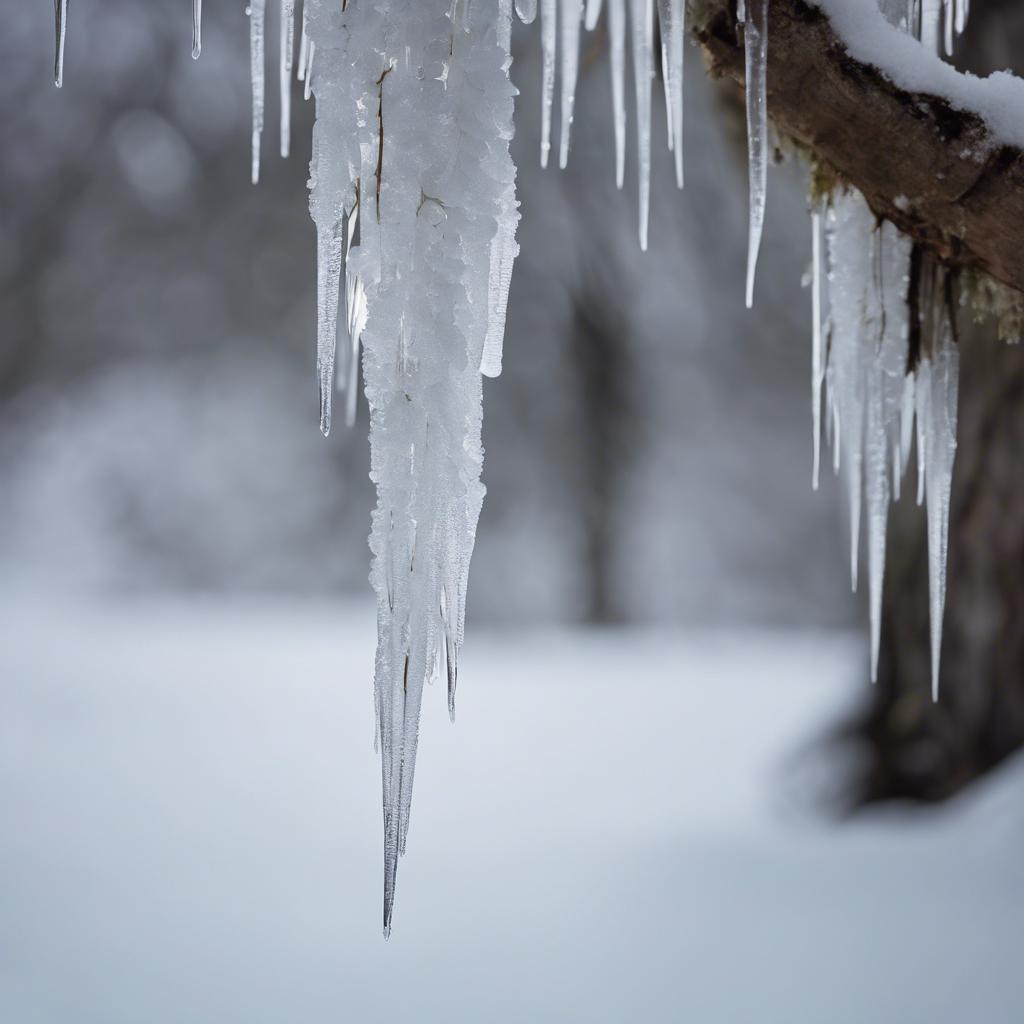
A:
(412, 135)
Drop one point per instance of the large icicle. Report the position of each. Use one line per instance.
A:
(60, 12)
(755, 41)
(197, 28)
(287, 56)
(257, 11)
(571, 22)
(420, 116)
(643, 57)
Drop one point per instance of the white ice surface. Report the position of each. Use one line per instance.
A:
(192, 833)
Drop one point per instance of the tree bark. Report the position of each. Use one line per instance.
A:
(914, 157)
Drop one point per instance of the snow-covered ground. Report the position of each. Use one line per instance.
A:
(191, 813)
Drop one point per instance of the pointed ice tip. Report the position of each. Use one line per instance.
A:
(325, 406)
(387, 930)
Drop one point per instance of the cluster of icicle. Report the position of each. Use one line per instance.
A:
(890, 360)
(412, 191)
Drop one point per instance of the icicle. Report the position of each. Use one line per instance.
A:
(285, 72)
(672, 19)
(256, 10)
(548, 39)
(571, 20)
(303, 43)
(617, 33)
(817, 348)
(504, 247)
(197, 28)
(330, 241)
(414, 118)
(755, 36)
(937, 384)
(593, 14)
(307, 89)
(643, 56)
(60, 11)
(527, 10)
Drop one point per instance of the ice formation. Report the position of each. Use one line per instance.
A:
(414, 119)
(412, 192)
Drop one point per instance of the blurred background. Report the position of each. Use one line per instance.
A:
(635, 813)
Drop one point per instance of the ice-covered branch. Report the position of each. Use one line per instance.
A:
(937, 152)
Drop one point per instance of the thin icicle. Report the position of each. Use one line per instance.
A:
(60, 12)
(285, 72)
(755, 36)
(548, 41)
(330, 257)
(617, 34)
(571, 21)
(303, 43)
(938, 377)
(643, 45)
(197, 28)
(307, 85)
(257, 11)
(672, 19)
(355, 319)
(527, 11)
(817, 348)
(593, 14)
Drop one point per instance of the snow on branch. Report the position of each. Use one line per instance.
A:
(937, 152)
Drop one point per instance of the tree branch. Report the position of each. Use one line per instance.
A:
(913, 155)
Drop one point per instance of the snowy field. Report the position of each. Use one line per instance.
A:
(612, 832)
